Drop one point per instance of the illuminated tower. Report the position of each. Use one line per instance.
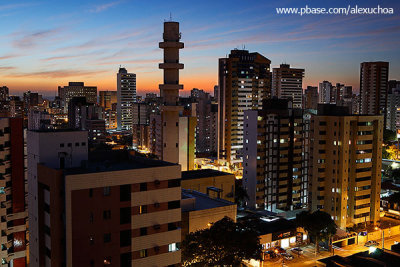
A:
(169, 92)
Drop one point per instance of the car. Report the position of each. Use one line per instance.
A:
(287, 256)
(279, 250)
(297, 251)
(371, 243)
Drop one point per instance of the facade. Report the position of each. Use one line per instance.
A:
(76, 89)
(346, 158)
(139, 123)
(325, 92)
(199, 211)
(187, 142)
(393, 108)
(275, 171)
(287, 83)
(126, 96)
(311, 98)
(214, 183)
(38, 120)
(244, 80)
(207, 114)
(169, 92)
(374, 88)
(55, 149)
(4, 93)
(107, 99)
(16, 107)
(115, 210)
(14, 216)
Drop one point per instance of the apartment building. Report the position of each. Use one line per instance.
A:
(275, 165)
(346, 160)
(13, 213)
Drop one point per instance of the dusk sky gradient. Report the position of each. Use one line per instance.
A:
(44, 44)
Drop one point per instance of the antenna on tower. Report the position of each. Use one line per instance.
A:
(170, 16)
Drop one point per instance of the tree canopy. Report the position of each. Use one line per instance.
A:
(389, 136)
(224, 243)
(318, 224)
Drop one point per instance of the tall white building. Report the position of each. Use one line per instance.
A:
(55, 149)
(287, 83)
(325, 89)
(126, 96)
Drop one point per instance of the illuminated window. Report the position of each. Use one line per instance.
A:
(107, 261)
(174, 247)
(143, 253)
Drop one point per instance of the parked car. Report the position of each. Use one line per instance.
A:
(371, 243)
(297, 251)
(287, 256)
(279, 250)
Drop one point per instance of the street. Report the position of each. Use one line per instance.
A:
(308, 258)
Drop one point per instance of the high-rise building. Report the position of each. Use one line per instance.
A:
(216, 89)
(287, 83)
(187, 142)
(139, 123)
(4, 93)
(59, 150)
(107, 99)
(76, 89)
(244, 80)
(345, 165)
(16, 107)
(126, 96)
(325, 90)
(13, 225)
(374, 88)
(393, 106)
(207, 114)
(131, 216)
(275, 171)
(169, 92)
(311, 98)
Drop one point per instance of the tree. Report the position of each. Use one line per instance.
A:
(224, 243)
(385, 153)
(319, 225)
(389, 136)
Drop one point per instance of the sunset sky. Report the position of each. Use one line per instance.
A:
(45, 44)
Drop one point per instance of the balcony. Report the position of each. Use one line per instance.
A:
(167, 65)
(171, 44)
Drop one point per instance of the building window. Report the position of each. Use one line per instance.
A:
(143, 253)
(107, 261)
(90, 192)
(125, 215)
(143, 231)
(143, 186)
(142, 209)
(91, 217)
(173, 247)
(107, 214)
(125, 192)
(174, 204)
(91, 240)
(69, 144)
(107, 238)
(106, 191)
(83, 143)
(125, 238)
(62, 145)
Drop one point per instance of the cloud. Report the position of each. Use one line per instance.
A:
(7, 56)
(7, 68)
(32, 39)
(55, 74)
(103, 7)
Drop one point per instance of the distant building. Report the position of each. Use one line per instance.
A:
(244, 80)
(16, 107)
(13, 208)
(107, 99)
(311, 98)
(139, 123)
(214, 183)
(38, 120)
(126, 96)
(374, 88)
(114, 209)
(287, 83)
(347, 189)
(58, 150)
(275, 171)
(325, 92)
(76, 89)
(4, 93)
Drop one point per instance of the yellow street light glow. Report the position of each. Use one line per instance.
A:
(372, 249)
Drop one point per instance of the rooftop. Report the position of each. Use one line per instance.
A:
(196, 174)
(201, 201)
(378, 257)
(115, 160)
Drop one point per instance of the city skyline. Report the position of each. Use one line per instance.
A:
(46, 44)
